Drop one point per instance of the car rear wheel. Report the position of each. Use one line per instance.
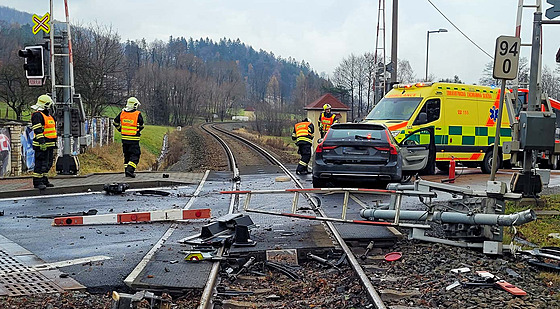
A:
(319, 183)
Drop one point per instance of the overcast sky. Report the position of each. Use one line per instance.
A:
(322, 32)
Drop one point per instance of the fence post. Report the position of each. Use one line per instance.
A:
(15, 129)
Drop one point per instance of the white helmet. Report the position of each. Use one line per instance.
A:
(132, 104)
(43, 102)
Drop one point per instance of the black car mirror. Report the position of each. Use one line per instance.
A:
(422, 118)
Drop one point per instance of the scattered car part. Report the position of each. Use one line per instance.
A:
(393, 256)
(322, 261)
(115, 188)
(368, 249)
(154, 192)
(233, 277)
(131, 301)
(283, 269)
(544, 265)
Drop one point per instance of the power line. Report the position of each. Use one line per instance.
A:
(460, 30)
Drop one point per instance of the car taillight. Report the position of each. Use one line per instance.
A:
(391, 149)
(320, 148)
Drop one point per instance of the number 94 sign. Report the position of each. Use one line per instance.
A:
(506, 57)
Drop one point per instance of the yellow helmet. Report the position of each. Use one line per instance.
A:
(326, 106)
(132, 104)
(43, 102)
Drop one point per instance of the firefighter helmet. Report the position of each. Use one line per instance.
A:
(43, 102)
(132, 104)
(326, 106)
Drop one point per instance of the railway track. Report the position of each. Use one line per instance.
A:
(219, 134)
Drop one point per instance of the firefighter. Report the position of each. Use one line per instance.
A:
(130, 122)
(44, 141)
(326, 120)
(303, 135)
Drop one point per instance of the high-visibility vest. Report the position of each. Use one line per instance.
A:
(302, 132)
(326, 122)
(49, 131)
(129, 125)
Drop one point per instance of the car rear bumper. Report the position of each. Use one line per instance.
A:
(391, 172)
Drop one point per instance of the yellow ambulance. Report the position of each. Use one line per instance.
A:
(463, 116)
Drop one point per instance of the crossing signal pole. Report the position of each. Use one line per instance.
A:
(70, 115)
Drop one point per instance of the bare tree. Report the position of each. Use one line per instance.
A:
(14, 89)
(550, 83)
(405, 74)
(346, 76)
(487, 78)
(98, 67)
(371, 68)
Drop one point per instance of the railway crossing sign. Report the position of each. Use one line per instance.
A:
(41, 23)
(553, 11)
(506, 57)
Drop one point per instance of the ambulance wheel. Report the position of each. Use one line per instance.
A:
(443, 166)
(487, 162)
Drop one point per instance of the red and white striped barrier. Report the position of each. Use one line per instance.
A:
(135, 217)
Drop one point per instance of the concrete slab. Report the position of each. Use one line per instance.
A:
(22, 187)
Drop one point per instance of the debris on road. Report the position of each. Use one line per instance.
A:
(116, 188)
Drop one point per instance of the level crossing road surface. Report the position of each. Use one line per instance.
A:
(128, 244)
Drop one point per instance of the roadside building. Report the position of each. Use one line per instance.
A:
(250, 113)
(315, 109)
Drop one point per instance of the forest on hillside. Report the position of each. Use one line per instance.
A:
(176, 80)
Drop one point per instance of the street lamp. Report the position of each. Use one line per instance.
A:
(428, 46)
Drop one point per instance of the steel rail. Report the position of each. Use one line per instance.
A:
(206, 298)
(372, 293)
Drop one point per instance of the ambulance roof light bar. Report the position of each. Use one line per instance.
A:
(408, 86)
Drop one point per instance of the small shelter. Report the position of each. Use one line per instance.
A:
(250, 113)
(315, 109)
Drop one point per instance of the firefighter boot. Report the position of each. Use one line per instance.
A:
(129, 172)
(47, 183)
(38, 183)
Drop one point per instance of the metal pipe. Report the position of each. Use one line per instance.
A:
(518, 218)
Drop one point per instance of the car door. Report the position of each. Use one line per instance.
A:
(418, 151)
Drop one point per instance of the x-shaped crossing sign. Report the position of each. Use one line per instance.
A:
(553, 11)
(41, 23)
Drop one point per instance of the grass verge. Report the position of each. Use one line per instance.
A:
(109, 158)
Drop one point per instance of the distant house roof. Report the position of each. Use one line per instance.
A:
(249, 109)
(327, 99)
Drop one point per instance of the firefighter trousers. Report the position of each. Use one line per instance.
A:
(43, 163)
(131, 151)
(304, 149)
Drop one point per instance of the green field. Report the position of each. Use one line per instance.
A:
(8, 113)
(152, 137)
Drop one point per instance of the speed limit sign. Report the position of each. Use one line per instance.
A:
(506, 57)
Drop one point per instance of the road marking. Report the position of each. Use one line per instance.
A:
(140, 267)
(54, 265)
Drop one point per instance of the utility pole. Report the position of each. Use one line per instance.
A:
(394, 40)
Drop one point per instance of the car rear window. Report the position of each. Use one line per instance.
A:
(375, 133)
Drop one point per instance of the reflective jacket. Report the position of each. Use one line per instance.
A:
(44, 129)
(325, 122)
(303, 132)
(129, 124)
